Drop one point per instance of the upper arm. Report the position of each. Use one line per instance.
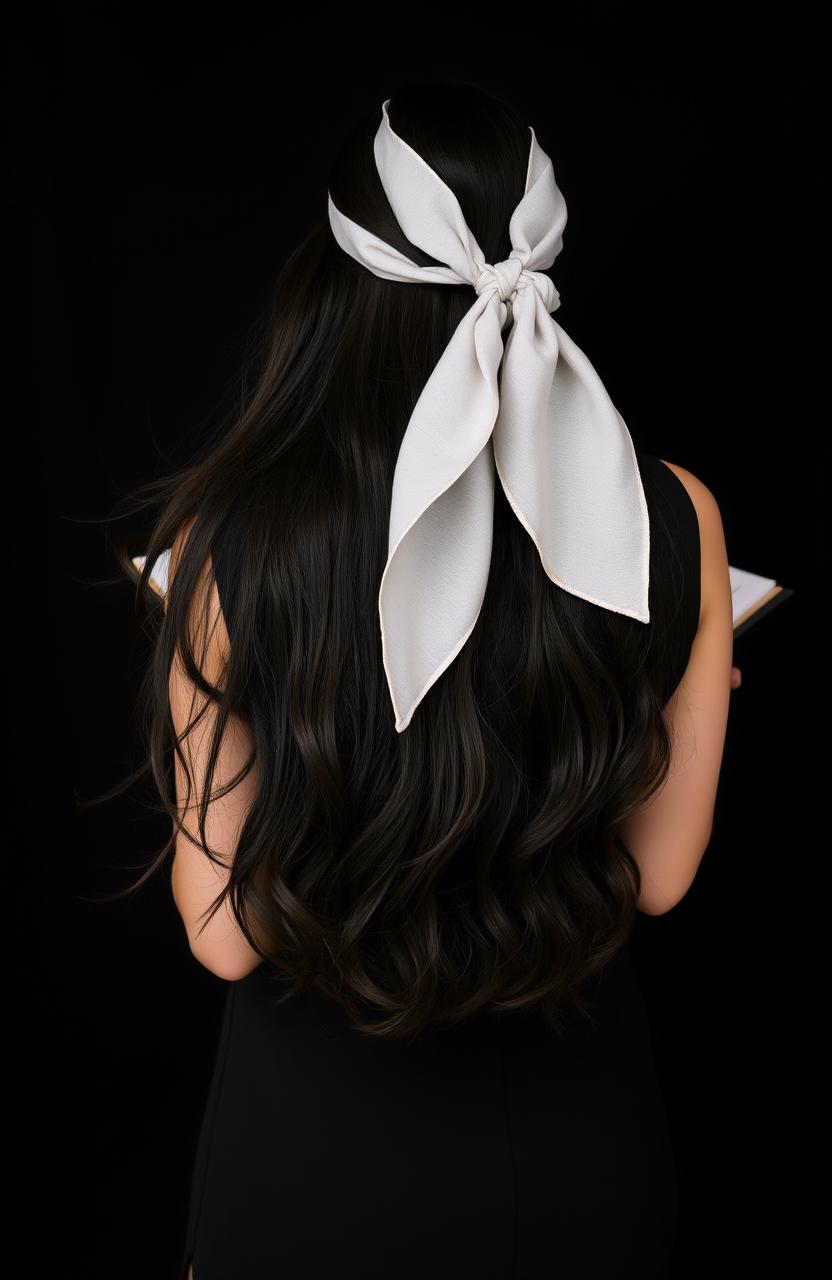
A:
(669, 835)
(196, 879)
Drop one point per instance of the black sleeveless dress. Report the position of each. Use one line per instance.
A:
(493, 1150)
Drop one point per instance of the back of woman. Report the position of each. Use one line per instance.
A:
(448, 660)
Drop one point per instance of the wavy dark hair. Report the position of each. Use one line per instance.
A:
(474, 861)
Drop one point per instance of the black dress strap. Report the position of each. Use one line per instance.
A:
(675, 561)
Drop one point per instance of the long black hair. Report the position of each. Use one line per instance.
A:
(474, 861)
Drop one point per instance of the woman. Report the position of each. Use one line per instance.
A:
(413, 825)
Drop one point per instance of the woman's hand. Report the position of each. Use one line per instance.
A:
(736, 677)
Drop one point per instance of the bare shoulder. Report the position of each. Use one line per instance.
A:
(206, 623)
(178, 546)
(714, 557)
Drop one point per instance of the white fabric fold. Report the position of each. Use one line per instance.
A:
(548, 428)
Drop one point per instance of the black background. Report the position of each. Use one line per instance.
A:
(161, 167)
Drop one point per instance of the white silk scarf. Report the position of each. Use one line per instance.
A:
(562, 451)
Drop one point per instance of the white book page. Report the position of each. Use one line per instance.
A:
(747, 589)
(159, 572)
